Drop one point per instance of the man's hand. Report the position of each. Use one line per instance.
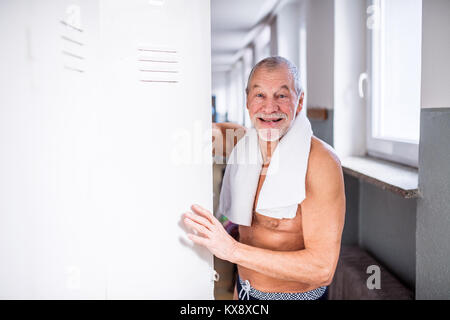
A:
(210, 233)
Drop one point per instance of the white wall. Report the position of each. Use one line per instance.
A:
(349, 62)
(262, 44)
(435, 54)
(288, 32)
(92, 186)
(320, 53)
(248, 65)
(236, 102)
(291, 36)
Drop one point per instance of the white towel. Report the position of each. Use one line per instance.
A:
(284, 186)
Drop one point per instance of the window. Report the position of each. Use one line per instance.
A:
(394, 73)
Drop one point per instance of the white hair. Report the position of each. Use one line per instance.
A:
(273, 63)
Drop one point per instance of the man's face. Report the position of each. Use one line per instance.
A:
(272, 102)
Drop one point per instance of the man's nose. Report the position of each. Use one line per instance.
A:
(270, 106)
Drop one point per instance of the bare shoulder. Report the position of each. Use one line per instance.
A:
(229, 129)
(324, 167)
(322, 154)
(225, 136)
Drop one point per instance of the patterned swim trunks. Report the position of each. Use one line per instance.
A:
(247, 292)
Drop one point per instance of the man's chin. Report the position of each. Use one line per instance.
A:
(269, 135)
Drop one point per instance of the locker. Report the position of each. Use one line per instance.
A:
(93, 94)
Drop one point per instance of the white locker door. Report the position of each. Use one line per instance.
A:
(50, 231)
(104, 141)
(156, 81)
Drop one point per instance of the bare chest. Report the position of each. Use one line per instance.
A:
(285, 225)
(272, 233)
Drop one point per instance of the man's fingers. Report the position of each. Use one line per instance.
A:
(199, 219)
(203, 212)
(197, 227)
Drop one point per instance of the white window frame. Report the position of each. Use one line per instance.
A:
(404, 152)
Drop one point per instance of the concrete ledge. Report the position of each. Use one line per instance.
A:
(387, 175)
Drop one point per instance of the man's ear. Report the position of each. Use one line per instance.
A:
(300, 103)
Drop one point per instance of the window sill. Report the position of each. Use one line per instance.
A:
(397, 178)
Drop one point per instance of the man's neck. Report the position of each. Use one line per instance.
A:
(267, 150)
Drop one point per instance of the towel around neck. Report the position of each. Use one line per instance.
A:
(284, 186)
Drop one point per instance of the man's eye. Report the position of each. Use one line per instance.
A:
(259, 95)
(282, 96)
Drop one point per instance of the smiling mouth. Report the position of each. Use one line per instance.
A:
(271, 120)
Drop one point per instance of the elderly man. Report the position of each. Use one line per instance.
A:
(280, 258)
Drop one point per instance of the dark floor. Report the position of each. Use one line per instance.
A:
(223, 289)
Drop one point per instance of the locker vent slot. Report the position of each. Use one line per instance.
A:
(72, 47)
(158, 64)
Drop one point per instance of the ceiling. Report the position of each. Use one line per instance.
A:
(232, 24)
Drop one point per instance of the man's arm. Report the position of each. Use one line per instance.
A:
(323, 219)
(225, 135)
